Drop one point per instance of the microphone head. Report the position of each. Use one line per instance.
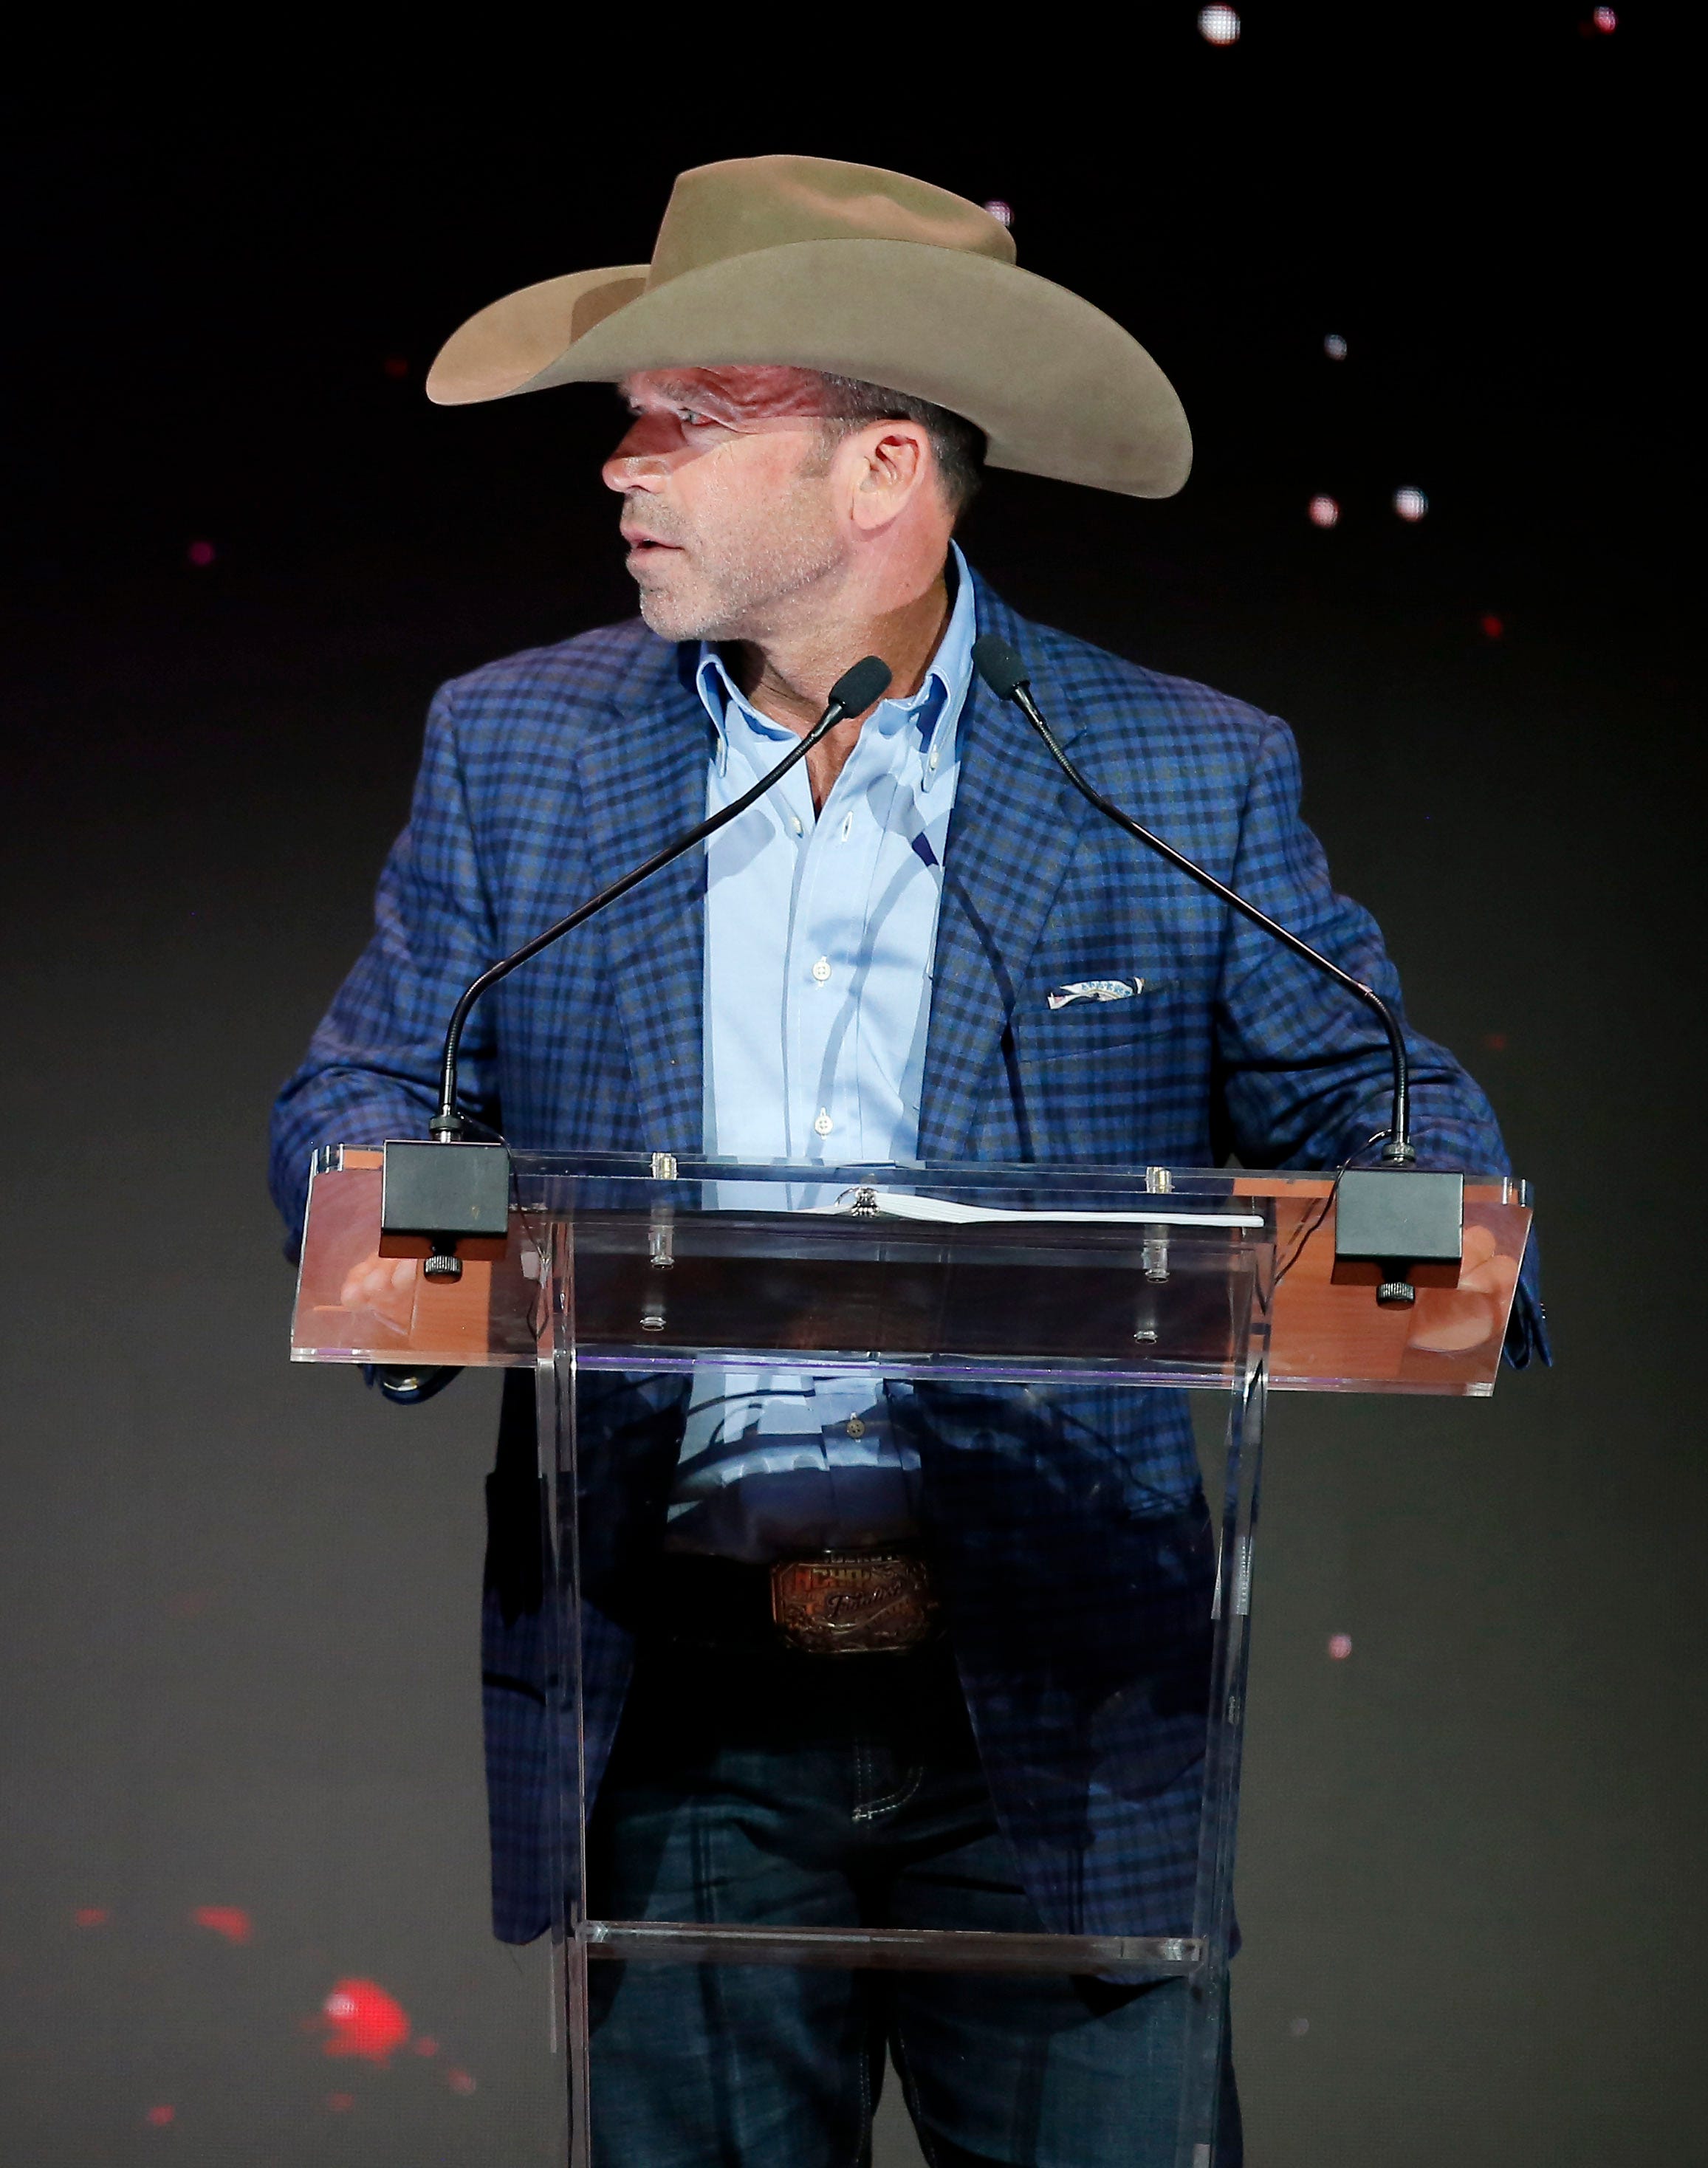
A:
(999, 666)
(856, 689)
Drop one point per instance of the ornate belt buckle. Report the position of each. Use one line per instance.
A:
(852, 1603)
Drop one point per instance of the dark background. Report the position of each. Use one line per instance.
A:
(240, 1600)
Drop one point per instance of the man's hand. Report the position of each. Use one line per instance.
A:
(384, 1285)
(1484, 1292)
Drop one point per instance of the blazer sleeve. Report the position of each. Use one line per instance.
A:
(1304, 1067)
(372, 1068)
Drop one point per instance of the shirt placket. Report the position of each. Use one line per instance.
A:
(842, 863)
(797, 824)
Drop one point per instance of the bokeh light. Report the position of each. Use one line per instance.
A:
(1411, 504)
(361, 2019)
(1493, 626)
(231, 1920)
(1218, 26)
(1324, 511)
(1334, 346)
(1299, 2027)
(395, 366)
(1604, 19)
(998, 208)
(92, 1915)
(1339, 1647)
(200, 554)
(160, 2116)
(460, 2081)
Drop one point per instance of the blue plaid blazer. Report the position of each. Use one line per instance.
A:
(1068, 1530)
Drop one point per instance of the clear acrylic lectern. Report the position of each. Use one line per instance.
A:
(954, 1283)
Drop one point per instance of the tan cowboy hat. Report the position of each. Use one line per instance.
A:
(859, 273)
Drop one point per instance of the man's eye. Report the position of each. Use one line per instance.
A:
(696, 421)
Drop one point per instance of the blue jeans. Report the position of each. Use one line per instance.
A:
(778, 1789)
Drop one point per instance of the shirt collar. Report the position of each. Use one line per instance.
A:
(934, 710)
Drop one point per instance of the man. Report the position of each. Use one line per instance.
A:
(877, 962)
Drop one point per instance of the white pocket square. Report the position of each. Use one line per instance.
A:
(1093, 990)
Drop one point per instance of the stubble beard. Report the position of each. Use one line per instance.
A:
(737, 577)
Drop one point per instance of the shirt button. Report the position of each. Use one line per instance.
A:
(856, 1428)
(820, 969)
(823, 1124)
(934, 756)
(795, 823)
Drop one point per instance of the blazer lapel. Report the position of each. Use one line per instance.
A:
(642, 783)
(1014, 830)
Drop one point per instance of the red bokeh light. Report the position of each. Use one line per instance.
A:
(92, 1915)
(1495, 1041)
(340, 2103)
(1340, 1647)
(361, 2019)
(460, 2081)
(394, 365)
(1604, 19)
(427, 2045)
(161, 2116)
(1323, 511)
(200, 554)
(231, 1920)
(1493, 627)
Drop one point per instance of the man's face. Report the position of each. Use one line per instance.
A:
(728, 501)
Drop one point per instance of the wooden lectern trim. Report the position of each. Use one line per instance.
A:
(1323, 1336)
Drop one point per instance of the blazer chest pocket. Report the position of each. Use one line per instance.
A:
(1069, 1024)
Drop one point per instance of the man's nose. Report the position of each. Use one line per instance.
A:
(642, 459)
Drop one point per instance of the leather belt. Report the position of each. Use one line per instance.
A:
(830, 1603)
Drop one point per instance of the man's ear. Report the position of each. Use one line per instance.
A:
(894, 463)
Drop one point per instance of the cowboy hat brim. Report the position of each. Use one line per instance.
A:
(1058, 388)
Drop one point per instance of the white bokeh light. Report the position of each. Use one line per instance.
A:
(1218, 26)
(1411, 503)
(1334, 346)
(1324, 511)
(998, 208)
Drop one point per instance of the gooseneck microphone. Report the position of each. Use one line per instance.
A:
(1419, 1224)
(1007, 675)
(852, 695)
(446, 1196)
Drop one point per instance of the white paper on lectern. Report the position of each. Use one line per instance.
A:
(941, 1211)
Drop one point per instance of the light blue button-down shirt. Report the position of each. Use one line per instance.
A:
(820, 929)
